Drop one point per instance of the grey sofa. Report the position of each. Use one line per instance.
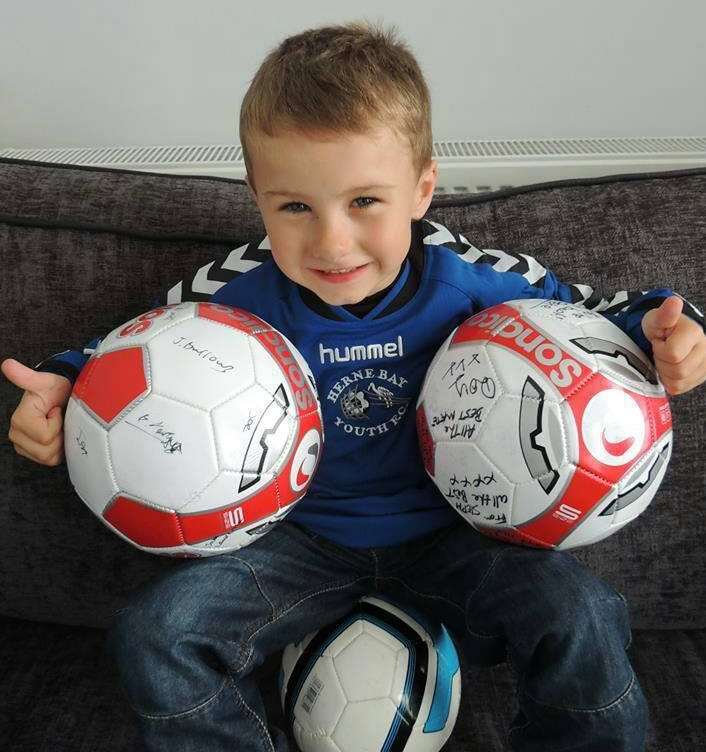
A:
(84, 249)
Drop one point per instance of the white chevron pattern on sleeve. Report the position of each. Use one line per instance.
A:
(202, 283)
(441, 236)
(504, 261)
(174, 293)
(472, 254)
(235, 261)
(209, 278)
(534, 273)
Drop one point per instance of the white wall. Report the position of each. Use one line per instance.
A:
(100, 72)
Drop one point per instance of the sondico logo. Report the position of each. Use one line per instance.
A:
(613, 427)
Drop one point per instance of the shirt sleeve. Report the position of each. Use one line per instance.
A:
(501, 276)
(507, 275)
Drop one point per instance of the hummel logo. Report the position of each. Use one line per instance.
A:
(362, 352)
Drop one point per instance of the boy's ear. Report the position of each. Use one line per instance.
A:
(425, 189)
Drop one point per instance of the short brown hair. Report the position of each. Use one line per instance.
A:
(346, 79)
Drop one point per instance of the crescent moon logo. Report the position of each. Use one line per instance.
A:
(616, 448)
(613, 427)
(305, 460)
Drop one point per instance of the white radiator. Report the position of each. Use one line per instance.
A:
(464, 166)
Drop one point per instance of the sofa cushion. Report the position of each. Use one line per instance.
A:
(60, 693)
(85, 249)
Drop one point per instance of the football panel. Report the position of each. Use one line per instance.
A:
(388, 638)
(536, 497)
(637, 490)
(617, 355)
(112, 382)
(432, 738)
(593, 529)
(473, 485)
(460, 393)
(255, 431)
(209, 533)
(614, 426)
(314, 741)
(200, 362)
(235, 540)
(227, 490)
(402, 674)
(439, 707)
(143, 525)
(87, 457)
(348, 631)
(584, 493)
(531, 353)
(255, 511)
(365, 725)
(525, 436)
(320, 700)
(409, 616)
(504, 326)
(279, 366)
(562, 322)
(139, 330)
(513, 371)
(366, 667)
(163, 451)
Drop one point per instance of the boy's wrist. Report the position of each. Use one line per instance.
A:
(60, 368)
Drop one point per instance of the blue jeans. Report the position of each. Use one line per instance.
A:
(188, 643)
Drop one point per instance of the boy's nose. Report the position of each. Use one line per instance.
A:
(333, 241)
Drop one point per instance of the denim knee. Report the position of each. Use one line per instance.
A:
(620, 726)
(168, 659)
(569, 634)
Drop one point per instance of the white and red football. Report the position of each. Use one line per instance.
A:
(542, 423)
(192, 429)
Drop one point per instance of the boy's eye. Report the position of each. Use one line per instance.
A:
(297, 207)
(365, 201)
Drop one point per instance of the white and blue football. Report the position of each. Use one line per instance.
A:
(381, 678)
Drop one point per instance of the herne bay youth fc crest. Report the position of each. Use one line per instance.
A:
(370, 400)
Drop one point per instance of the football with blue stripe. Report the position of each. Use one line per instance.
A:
(383, 677)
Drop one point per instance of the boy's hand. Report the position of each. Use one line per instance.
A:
(36, 425)
(678, 346)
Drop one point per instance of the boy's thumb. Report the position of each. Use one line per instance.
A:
(659, 323)
(24, 377)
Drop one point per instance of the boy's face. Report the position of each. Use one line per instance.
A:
(338, 208)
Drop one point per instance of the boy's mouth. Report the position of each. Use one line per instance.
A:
(339, 275)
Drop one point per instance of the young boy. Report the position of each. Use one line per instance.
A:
(336, 134)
